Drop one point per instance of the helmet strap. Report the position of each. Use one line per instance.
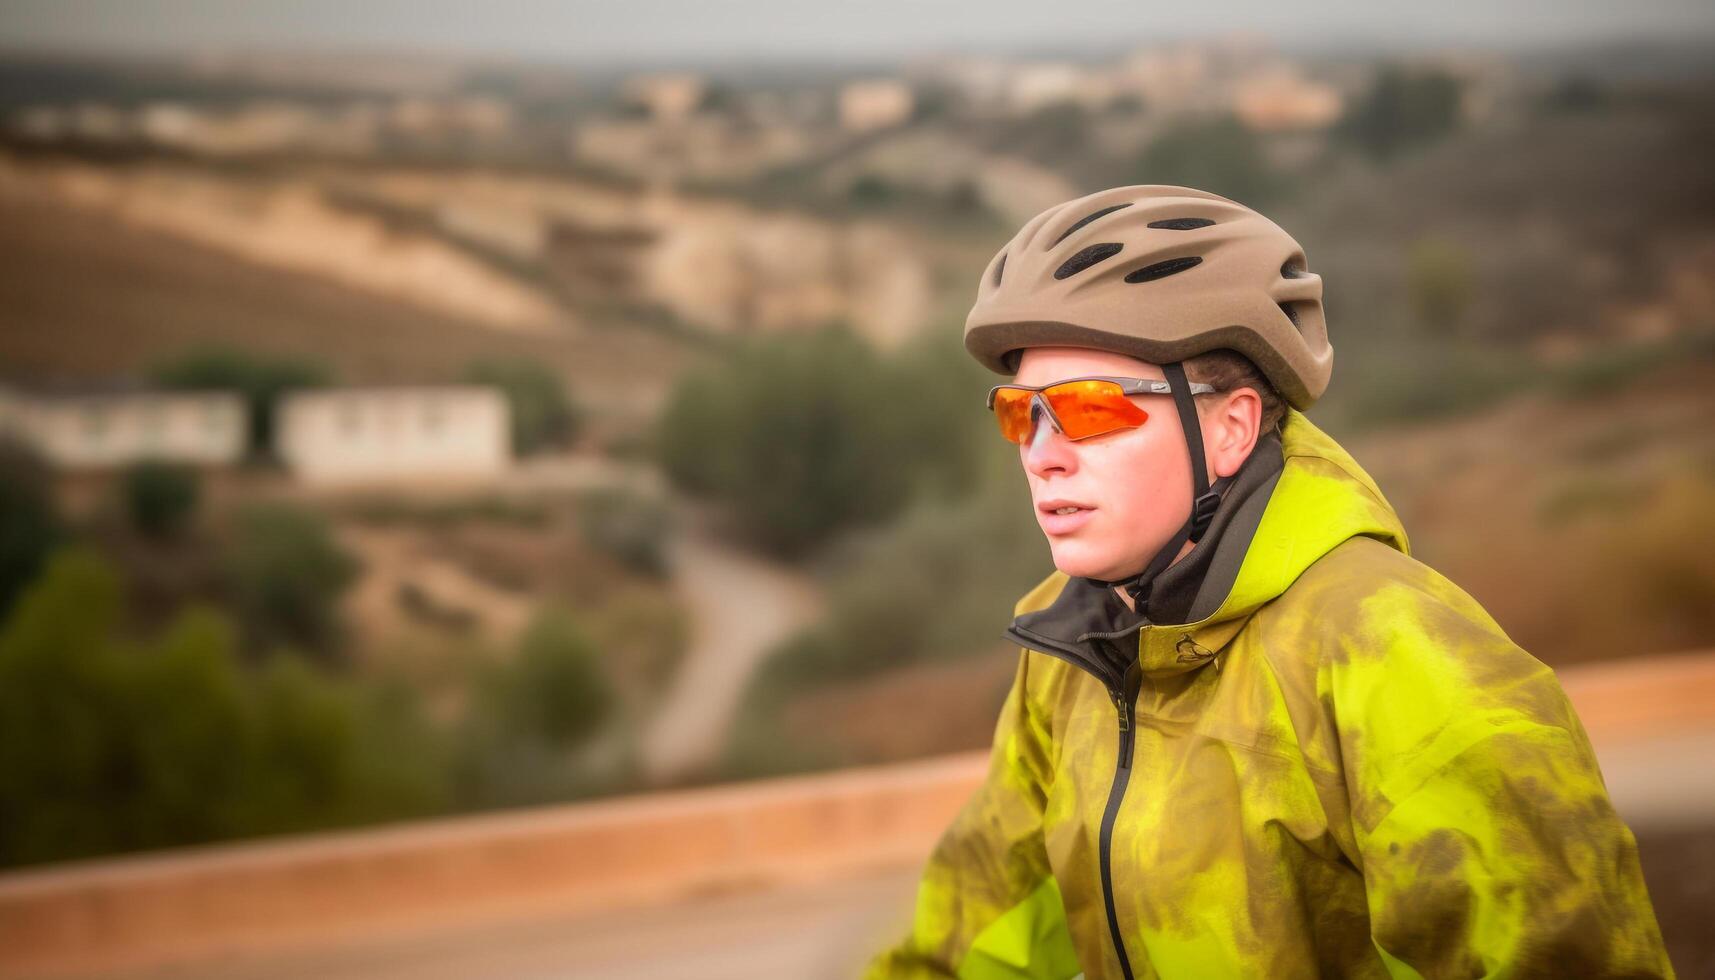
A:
(1204, 498)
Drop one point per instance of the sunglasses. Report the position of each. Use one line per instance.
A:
(1078, 408)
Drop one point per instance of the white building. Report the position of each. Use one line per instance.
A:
(338, 435)
(90, 429)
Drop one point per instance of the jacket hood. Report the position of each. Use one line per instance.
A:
(1296, 498)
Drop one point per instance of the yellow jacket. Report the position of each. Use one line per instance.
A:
(1315, 757)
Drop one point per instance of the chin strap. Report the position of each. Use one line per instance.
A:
(1204, 497)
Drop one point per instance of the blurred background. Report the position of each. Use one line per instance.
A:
(407, 412)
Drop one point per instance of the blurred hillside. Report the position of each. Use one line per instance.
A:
(738, 296)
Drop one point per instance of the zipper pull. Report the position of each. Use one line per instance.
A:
(1125, 730)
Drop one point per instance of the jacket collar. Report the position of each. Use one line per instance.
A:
(1296, 497)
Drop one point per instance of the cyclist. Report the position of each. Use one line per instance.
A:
(1249, 734)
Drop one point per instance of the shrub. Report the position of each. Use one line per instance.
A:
(287, 574)
(29, 527)
(1404, 108)
(531, 714)
(160, 497)
(804, 436)
(1217, 154)
(108, 744)
(555, 690)
(543, 415)
(631, 528)
(261, 380)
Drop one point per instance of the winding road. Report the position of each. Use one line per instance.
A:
(741, 605)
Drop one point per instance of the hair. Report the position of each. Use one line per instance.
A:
(1227, 369)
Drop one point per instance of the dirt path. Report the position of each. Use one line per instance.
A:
(741, 605)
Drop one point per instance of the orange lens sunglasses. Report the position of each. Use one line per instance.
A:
(1078, 408)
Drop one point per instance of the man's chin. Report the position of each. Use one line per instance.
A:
(1073, 561)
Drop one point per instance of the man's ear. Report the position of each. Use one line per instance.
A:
(1230, 430)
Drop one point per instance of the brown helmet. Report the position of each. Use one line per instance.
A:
(1160, 273)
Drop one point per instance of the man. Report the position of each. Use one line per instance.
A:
(1249, 735)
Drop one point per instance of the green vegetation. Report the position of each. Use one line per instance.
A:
(113, 741)
(531, 713)
(109, 744)
(1404, 109)
(1218, 154)
(29, 528)
(543, 415)
(629, 527)
(790, 433)
(160, 497)
(804, 436)
(260, 379)
(287, 574)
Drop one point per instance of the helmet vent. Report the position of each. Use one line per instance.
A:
(1182, 224)
(1162, 270)
(999, 267)
(1086, 258)
(1291, 313)
(1086, 219)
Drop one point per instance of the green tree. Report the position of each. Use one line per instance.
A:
(180, 710)
(29, 528)
(871, 191)
(260, 379)
(543, 414)
(556, 690)
(160, 496)
(58, 756)
(287, 574)
(1404, 109)
(110, 744)
(799, 434)
(531, 713)
(1216, 154)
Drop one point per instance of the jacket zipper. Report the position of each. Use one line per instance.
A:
(1124, 697)
(1125, 702)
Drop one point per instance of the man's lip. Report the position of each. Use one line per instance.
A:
(1049, 506)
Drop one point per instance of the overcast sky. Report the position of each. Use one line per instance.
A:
(798, 29)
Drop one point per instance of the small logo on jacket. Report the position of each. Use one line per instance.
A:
(1188, 650)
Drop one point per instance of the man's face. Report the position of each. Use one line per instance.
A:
(1132, 486)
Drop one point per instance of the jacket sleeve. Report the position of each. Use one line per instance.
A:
(987, 904)
(1488, 843)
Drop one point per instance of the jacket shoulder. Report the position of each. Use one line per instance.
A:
(1401, 655)
(1363, 588)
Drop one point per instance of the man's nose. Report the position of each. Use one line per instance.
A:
(1046, 447)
